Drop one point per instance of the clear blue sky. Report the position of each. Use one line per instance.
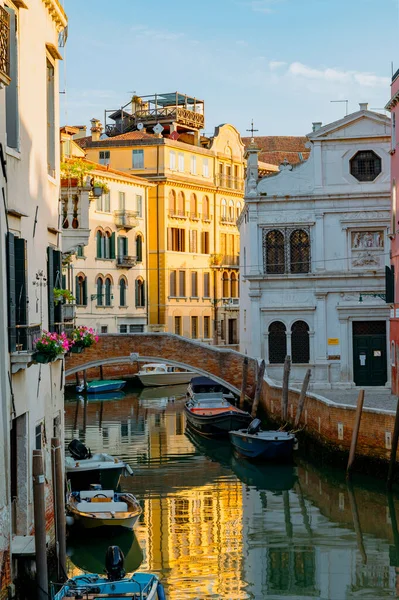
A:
(279, 62)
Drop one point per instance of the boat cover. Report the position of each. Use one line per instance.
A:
(96, 507)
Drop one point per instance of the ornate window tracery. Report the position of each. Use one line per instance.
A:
(286, 250)
(277, 342)
(300, 347)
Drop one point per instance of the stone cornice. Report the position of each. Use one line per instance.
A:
(57, 13)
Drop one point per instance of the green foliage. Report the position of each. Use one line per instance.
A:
(61, 295)
(76, 168)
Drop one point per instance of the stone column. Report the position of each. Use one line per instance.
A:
(255, 347)
(289, 346)
(318, 244)
(320, 327)
(255, 254)
(344, 349)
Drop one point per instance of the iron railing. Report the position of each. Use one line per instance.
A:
(228, 219)
(25, 336)
(126, 262)
(227, 181)
(178, 213)
(125, 219)
(230, 260)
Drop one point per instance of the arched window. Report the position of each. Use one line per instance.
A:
(224, 208)
(238, 209)
(107, 245)
(225, 285)
(181, 204)
(172, 202)
(205, 207)
(277, 342)
(231, 210)
(100, 245)
(108, 287)
(122, 291)
(300, 342)
(100, 291)
(234, 286)
(81, 290)
(140, 293)
(139, 248)
(193, 206)
(299, 252)
(275, 258)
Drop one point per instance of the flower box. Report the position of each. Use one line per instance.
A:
(42, 358)
(77, 349)
(69, 182)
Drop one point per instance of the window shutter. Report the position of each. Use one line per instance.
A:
(85, 291)
(12, 333)
(50, 287)
(77, 294)
(136, 288)
(139, 248)
(99, 236)
(112, 253)
(143, 294)
(390, 285)
(126, 246)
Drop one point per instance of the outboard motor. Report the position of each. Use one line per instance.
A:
(78, 450)
(114, 561)
(254, 426)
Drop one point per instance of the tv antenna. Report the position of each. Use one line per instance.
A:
(346, 102)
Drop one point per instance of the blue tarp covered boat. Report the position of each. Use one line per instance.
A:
(266, 445)
(94, 387)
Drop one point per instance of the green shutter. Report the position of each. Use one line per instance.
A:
(139, 248)
(85, 291)
(77, 289)
(137, 292)
(143, 294)
(50, 288)
(99, 244)
(126, 246)
(112, 244)
(12, 333)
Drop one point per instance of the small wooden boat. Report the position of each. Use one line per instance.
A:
(157, 374)
(101, 508)
(95, 387)
(83, 468)
(139, 586)
(205, 385)
(212, 415)
(267, 445)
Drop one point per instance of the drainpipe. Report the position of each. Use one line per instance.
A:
(215, 291)
(146, 254)
(158, 274)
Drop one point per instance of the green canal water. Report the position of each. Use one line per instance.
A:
(216, 526)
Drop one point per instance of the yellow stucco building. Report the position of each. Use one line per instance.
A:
(193, 238)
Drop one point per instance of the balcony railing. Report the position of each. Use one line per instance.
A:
(177, 213)
(75, 217)
(232, 183)
(231, 219)
(194, 216)
(230, 260)
(64, 327)
(25, 336)
(231, 303)
(126, 262)
(4, 46)
(125, 219)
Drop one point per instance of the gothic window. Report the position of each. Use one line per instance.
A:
(365, 165)
(100, 291)
(193, 206)
(140, 293)
(139, 248)
(122, 291)
(205, 207)
(108, 295)
(181, 204)
(81, 290)
(277, 342)
(234, 286)
(300, 342)
(172, 202)
(299, 252)
(225, 285)
(224, 209)
(275, 252)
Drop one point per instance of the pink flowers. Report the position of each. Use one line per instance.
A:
(84, 336)
(52, 344)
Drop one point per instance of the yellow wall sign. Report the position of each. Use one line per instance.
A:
(333, 341)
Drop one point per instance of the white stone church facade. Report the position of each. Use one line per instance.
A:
(314, 246)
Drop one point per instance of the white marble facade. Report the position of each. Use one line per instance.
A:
(314, 241)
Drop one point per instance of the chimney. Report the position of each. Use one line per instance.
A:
(316, 125)
(96, 130)
(363, 105)
(81, 133)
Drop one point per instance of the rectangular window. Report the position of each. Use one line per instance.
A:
(172, 284)
(138, 159)
(12, 109)
(80, 251)
(38, 437)
(207, 328)
(122, 328)
(104, 329)
(50, 120)
(182, 284)
(99, 203)
(181, 162)
(194, 284)
(205, 242)
(136, 328)
(176, 239)
(194, 328)
(172, 160)
(193, 165)
(106, 202)
(104, 157)
(139, 205)
(206, 292)
(192, 238)
(122, 200)
(205, 167)
(178, 325)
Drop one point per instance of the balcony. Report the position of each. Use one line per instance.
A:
(228, 182)
(4, 46)
(75, 217)
(25, 335)
(126, 262)
(125, 219)
(176, 213)
(228, 219)
(230, 261)
(194, 216)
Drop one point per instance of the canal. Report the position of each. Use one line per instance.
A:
(215, 526)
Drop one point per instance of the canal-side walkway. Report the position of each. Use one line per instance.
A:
(373, 397)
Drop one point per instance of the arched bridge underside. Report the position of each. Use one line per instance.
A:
(223, 365)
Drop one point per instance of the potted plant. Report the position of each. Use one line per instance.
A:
(100, 188)
(215, 260)
(82, 337)
(50, 346)
(74, 171)
(61, 295)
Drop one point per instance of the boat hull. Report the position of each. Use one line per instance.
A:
(138, 585)
(251, 446)
(89, 522)
(163, 379)
(217, 425)
(96, 387)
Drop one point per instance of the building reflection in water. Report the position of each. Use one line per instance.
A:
(215, 526)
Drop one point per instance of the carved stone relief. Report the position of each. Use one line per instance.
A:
(367, 239)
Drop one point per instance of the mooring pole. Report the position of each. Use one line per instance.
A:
(77, 378)
(258, 390)
(244, 381)
(284, 395)
(355, 433)
(101, 373)
(39, 511)
(393, 448)
(59, 506)
(356, 522)
(302, 396)
(85, 378)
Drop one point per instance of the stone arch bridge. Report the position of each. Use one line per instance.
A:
(222, 364)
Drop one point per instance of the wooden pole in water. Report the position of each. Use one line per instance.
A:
(39, 510)
(244, 381)
(393, 448)
(77, 378)
(284, 395)
(59, 506)
(355, 433)
(356, 522)
(101, 373)
(258, 390)
(302, 397)
(85, 378)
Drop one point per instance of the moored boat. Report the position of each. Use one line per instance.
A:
(212, 415)
(206, 385)
(101, 508)
(101, 385)
(267, 445)
(158, 374)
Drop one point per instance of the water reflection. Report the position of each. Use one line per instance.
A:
(216, 526)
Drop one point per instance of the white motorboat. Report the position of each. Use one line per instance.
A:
(157, 374)
(100, 508)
